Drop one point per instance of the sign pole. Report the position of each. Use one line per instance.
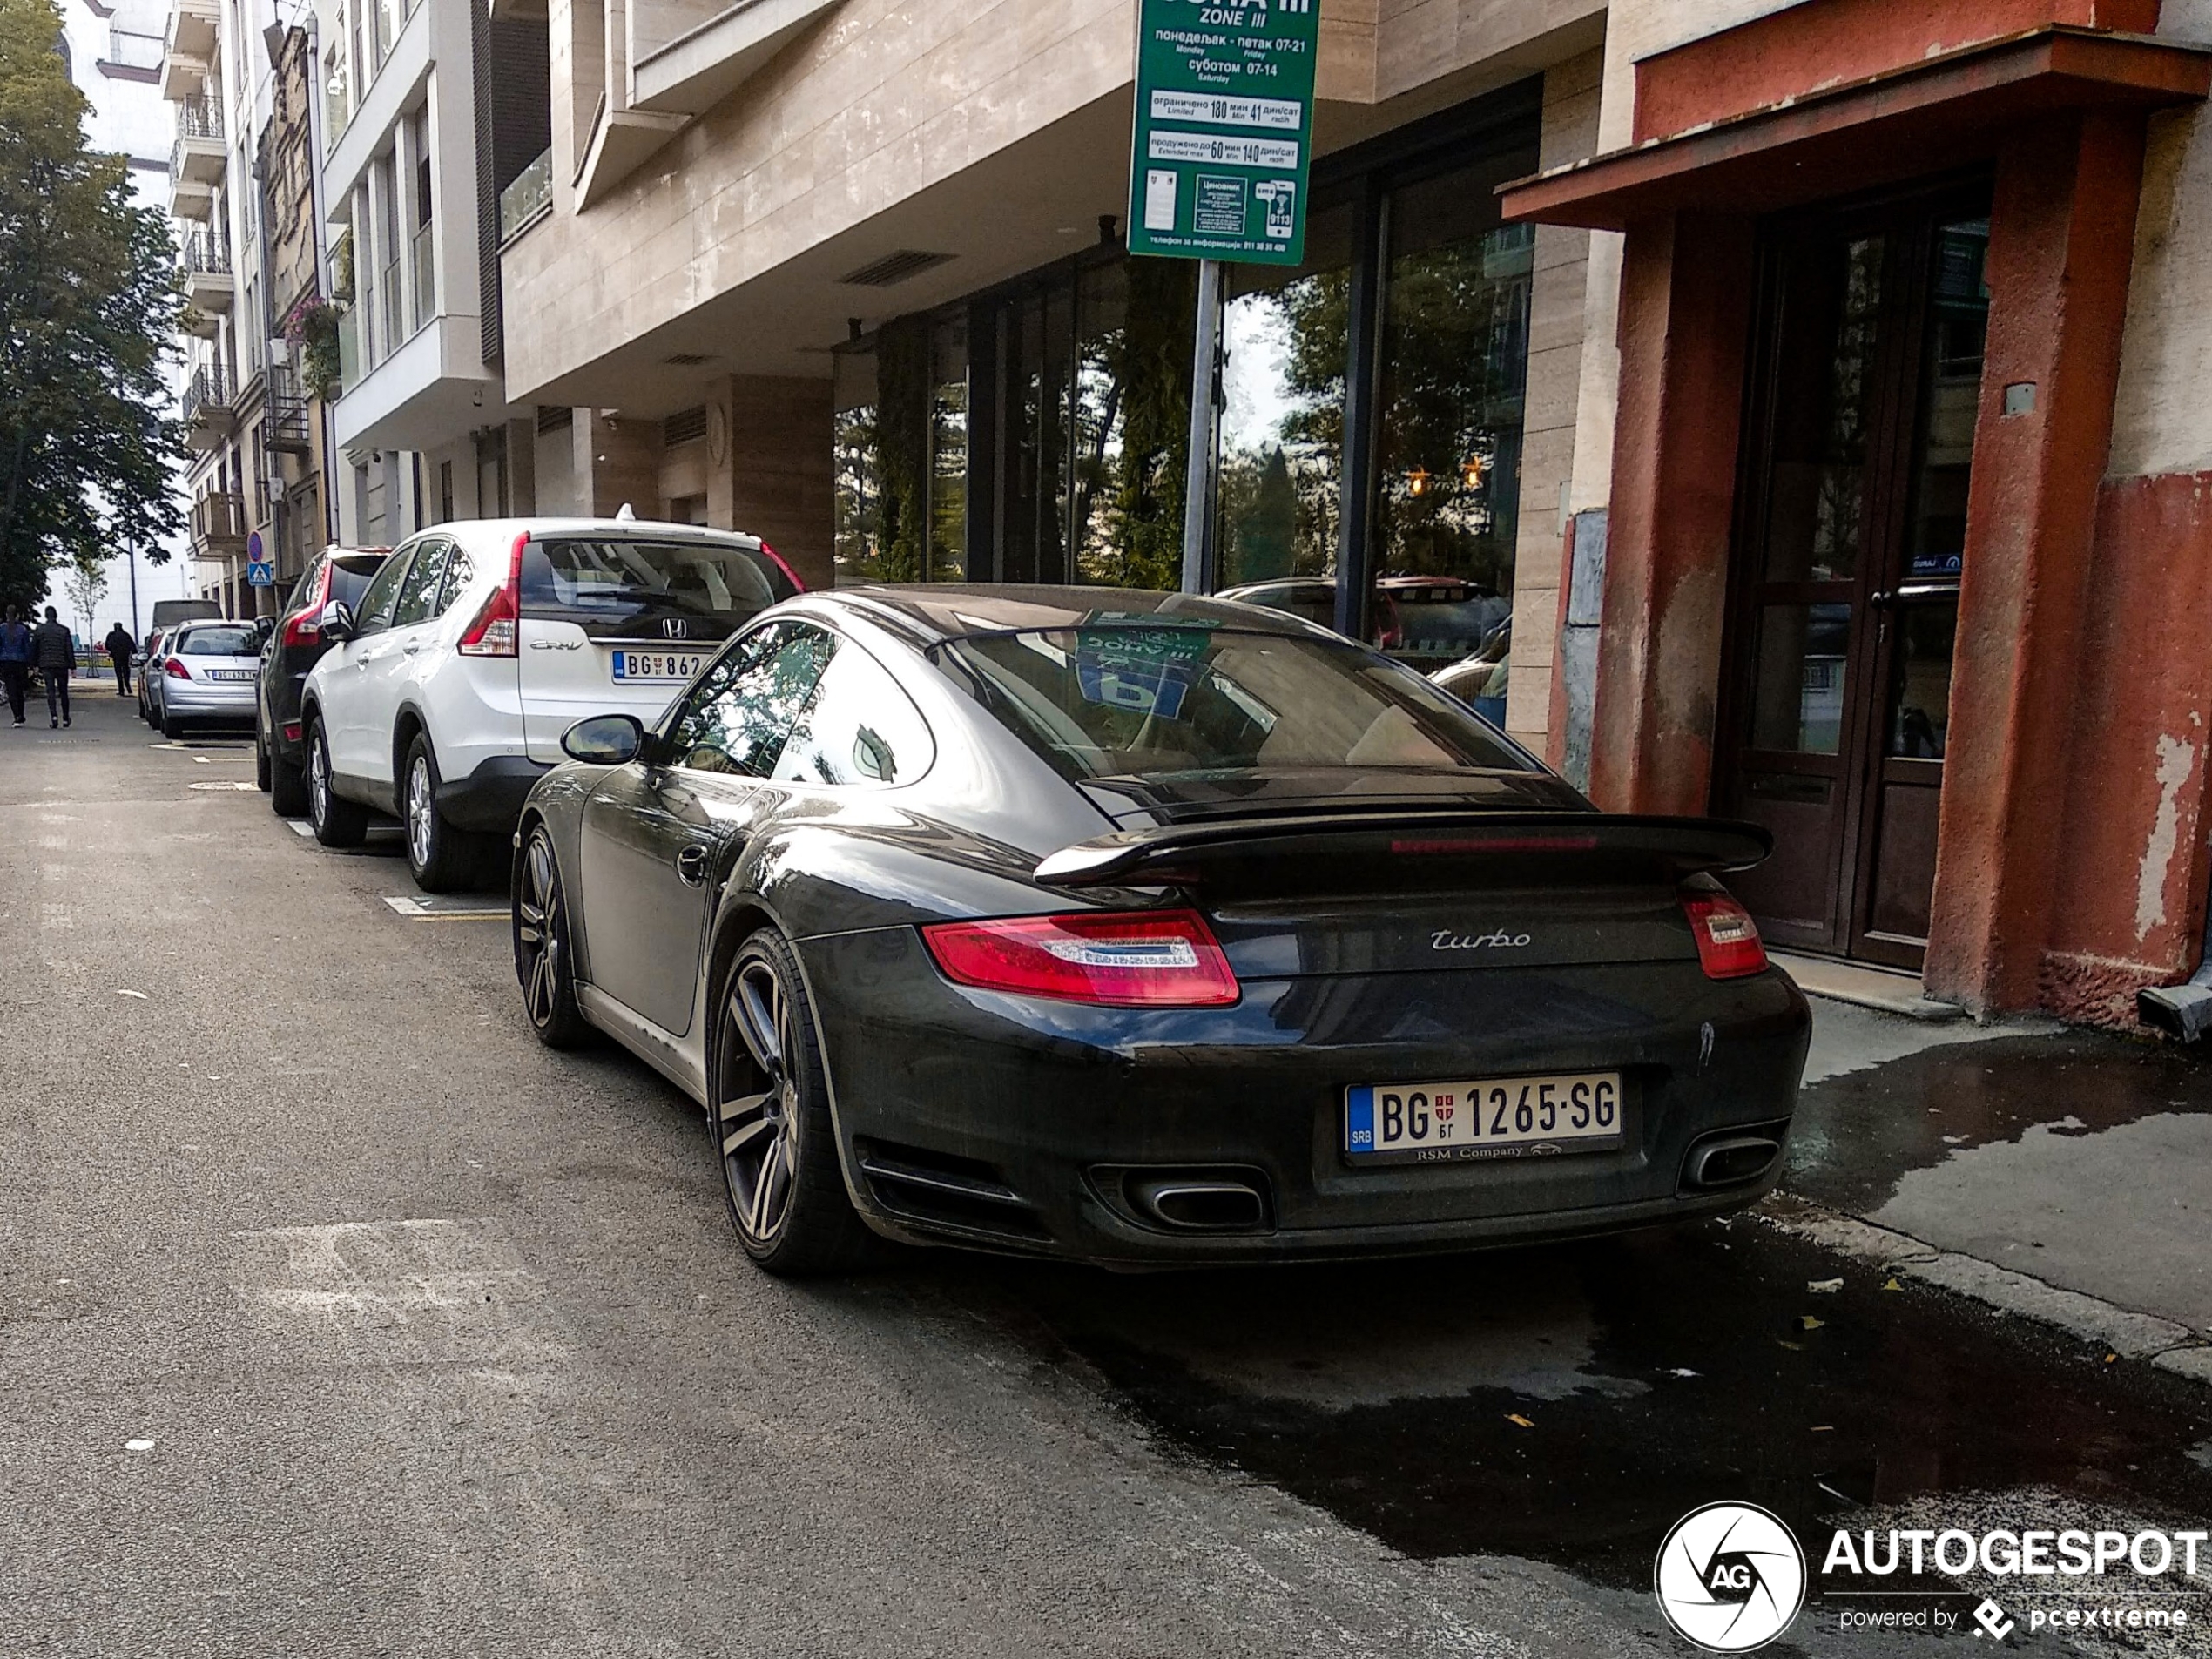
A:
(1204, 452)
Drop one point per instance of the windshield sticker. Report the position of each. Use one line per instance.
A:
(1145, 671)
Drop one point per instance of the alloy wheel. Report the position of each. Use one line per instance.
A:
(317, 781)
(421, 812)
(537, 931)
(757, 1104)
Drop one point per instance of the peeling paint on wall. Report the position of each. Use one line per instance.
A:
(2176, 760)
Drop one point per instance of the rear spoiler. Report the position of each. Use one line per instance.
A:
(1177, 853)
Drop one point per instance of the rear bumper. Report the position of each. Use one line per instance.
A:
(1045, 1109)
(187, 698)
(491, 797)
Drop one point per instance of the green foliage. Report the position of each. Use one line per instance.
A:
(1151, 368)
(312, 325)
(902, 446)
(88, 307)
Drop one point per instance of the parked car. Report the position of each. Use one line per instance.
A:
(1478, 680)
(149, 666)
(1432, 619)
(477, 644)
(207, 675)
(339, 575)
(1145, 930)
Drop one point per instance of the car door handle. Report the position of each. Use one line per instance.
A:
(690, 866)
(409, 650)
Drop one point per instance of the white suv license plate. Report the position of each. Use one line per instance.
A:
(657, 664)
(1451, 1122)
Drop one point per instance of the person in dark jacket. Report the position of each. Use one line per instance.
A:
(14, 661)
(120, 647)
(54, 648)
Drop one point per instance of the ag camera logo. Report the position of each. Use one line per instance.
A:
(1730, 1577)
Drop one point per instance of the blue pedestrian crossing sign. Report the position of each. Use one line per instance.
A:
(259, 573)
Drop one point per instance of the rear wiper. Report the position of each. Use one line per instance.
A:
(660, 595)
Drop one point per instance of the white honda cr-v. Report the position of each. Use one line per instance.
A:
(448, 688)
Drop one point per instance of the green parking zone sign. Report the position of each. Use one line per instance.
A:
(1224, 129)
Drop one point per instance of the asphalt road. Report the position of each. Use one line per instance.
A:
(339, 1318)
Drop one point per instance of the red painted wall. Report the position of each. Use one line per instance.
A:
(1789, 53)
(2134, 820)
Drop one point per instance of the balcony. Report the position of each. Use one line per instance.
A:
(423, 254)
(205, 265)
(131, 56)
(209, 419)
(187, 47)
(528, 199)
(219, 526)
(199, 154)
(284, 415)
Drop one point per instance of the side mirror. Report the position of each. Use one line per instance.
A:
(605, 741)
(337, 624)
(265, 626)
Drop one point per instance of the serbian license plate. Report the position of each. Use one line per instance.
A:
(657, 664)
(230, 674)
(1444, 1122)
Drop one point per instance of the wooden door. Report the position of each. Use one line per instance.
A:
(1850, 530)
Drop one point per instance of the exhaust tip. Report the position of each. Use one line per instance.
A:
(1201, 1206)
(1729, 1161)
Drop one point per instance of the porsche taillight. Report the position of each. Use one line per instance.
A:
(1140, 959)
(1728, 940)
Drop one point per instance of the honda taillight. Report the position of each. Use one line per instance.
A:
(304, 627)
(1144, 959)
(1728, 940)
(496, 630)
(175, 669)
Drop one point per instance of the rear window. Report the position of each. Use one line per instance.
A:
(220, 642)
(1163, 701)
(350, 578)
(619, 581)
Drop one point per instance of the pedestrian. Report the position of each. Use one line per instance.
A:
(54, 648)
(15, 660)
(120, 647)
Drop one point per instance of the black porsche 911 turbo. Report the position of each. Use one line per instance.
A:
(1145, 930)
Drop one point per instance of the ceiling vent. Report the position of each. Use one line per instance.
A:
(687, 427)
(893, 268)
(688, 360)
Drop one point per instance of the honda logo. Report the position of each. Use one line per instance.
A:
(676, 628)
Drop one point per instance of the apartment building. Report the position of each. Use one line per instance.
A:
(1817, 382)
(241, 189)
(400, 189)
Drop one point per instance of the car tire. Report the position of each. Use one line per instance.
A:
(440, 857)
(288, 789)
(768, 1120)
(172, 727)
(337, 821)
(543, 966)
(264, 778)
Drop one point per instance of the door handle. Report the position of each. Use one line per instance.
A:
(690, 866)
(409, 650)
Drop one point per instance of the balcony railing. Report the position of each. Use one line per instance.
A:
(426, 277)
(387, 320)
(209, 391)
(206, 255)
(219, 520)
(349, 348)
(200, 118)
(284, 413)
(523, 200)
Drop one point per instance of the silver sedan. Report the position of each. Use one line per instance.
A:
(207, 675)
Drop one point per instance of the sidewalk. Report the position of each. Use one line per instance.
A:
(2062, 1175)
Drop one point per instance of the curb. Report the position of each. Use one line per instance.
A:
(2166, 1343)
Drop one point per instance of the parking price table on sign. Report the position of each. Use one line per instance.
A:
(1224, 121)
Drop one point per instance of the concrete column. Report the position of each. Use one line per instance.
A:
(2061, 244)
(772, 476)
(1685, 321)
(621, 458)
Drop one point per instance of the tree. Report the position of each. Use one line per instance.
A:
(88, 308)
(85, 583)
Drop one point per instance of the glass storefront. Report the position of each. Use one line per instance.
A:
(1038, 432)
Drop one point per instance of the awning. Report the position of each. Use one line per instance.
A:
(1941, 113)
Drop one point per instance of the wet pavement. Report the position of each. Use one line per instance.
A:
(2082, 1159)
(368, 1326)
